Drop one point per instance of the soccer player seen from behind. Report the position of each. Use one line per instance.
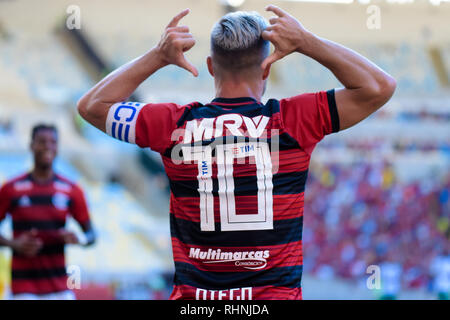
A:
(237, 166)
(39, 203)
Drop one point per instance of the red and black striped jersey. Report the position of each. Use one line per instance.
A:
(44, 208)
(237, 170)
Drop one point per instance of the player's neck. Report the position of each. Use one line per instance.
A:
(42, 174)
(238, 89)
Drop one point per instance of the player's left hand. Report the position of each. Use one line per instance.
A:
(175, 41)
(285, 32)
(68, 237)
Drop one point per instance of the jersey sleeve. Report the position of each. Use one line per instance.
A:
(309, 117)
(147, 125)
(78, 207)
(5, 201)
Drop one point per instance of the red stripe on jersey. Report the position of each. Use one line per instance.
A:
(185, 208)
(39, 212)
(40, 262)
(186, 292)
(238, 259)
(290, 161)
(285, 206)
(39, 286)
(179, 172)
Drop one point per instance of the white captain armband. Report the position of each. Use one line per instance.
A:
(121, 120)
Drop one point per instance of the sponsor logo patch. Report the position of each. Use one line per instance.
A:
(252, 260)
(60, 201)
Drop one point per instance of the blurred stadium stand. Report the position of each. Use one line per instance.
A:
(376, 191)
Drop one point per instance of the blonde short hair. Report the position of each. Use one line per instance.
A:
(236, 40)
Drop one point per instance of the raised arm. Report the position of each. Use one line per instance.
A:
(121, 83)
(366, 87)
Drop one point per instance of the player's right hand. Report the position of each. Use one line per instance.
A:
(68, 237)
(175, 41)
(27, 244)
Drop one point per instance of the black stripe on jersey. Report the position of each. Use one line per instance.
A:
(35, 200)
(38, 224)
(283, 183)
(48, 249)
(52, 179)
(187, 274)
(284, 231)
(51, 249)
(186, 113)
(248, 110)
(38, 273)
(333, 111)
(234, 102)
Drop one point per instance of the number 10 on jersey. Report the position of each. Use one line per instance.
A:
(225, 156)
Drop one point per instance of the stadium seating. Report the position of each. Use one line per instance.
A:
(51, 73)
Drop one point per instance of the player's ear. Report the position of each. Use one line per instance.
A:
(266, 71)
(210, 66)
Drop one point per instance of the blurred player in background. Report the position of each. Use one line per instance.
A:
(39, 203)
(440, 269)
(391, 278)
(236, 201)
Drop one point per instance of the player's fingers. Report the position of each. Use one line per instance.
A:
(62, 232)
(29, 235)
(270, 59)
(269, 28)
(274, 20)
(268, 34)
(278, 11)
(34, 242)
(32, 251)
(71, 238)
(177, 18)
(181, 35)
(32, 246)
(183, 63)
(186, 43)
(178, 29)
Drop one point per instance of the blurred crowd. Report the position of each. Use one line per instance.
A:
(399, 146)
(424, 115)
(361, 215)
